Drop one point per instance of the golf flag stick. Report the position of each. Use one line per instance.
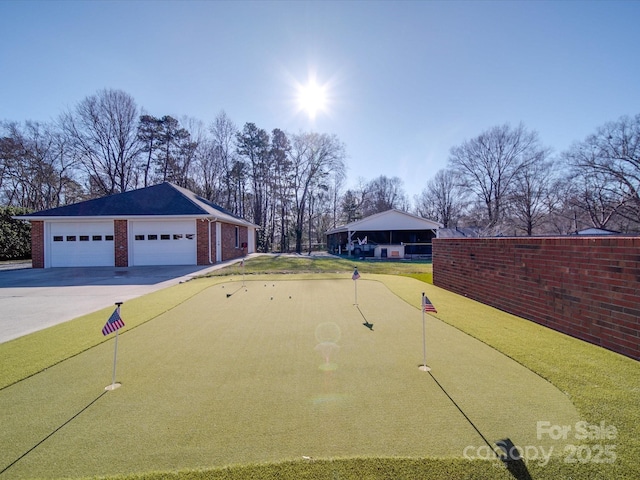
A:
(355, 278)
(424, 367)
(355, 284)
(115, 359)
(114, 323)
(115, 353)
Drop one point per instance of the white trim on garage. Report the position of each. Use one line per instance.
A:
(218, 242)
(251, 240)
(162, 242)
(79, 244)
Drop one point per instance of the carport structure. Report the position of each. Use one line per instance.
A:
(159, 225)
(389, 234)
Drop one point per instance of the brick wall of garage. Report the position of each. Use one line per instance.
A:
(205, 242)
(229, 250)
(587, 287)
(37, 244)
(205, 238)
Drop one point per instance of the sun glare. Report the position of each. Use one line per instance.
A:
(312, 98)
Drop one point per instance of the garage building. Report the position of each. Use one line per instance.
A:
(159, 225)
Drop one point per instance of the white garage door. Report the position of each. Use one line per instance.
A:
(163, 242)
(80, 244)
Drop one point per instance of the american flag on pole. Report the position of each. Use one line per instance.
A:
(427, 306)
(356, 275)
(114, 323)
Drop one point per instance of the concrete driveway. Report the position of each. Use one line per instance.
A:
(34, 299)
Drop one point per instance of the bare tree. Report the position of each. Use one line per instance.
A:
(215, 159)
(489, 163)
(281, 188)
(384, 193)
(253, 144)
(531, 198)
(192, 151)
(353, 201)
(443, 200)
(611, 158)
(314, 157)
(597, 196)
(103, 129)
(223, 144)
(335, 195)
(37, 168)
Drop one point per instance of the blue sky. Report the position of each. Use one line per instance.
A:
(405, 81)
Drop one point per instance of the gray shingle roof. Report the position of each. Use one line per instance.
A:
(164, 199)
(392, 219)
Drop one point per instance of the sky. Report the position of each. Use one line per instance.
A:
(403, 82)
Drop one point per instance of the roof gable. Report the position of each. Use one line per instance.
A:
(389, 220)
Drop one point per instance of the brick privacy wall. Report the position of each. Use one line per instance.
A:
(37, 244)
(228, 241)
(120, 243)
(586, 287)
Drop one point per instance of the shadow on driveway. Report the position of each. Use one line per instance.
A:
(34, 299)
(85, 276)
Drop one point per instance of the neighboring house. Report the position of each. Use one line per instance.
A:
(159, 225)
(596, 231)
(389, 234)
(469, 232)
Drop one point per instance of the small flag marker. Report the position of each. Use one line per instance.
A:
(427, 306)
(114, 324)
(355, 278)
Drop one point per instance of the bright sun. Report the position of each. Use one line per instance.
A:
(312, 98)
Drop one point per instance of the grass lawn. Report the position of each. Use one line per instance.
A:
(287, 378)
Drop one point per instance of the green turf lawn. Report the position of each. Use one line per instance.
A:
(261, 384)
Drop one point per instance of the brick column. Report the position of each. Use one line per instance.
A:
(203, 242)
(37, 244)
(121, 243)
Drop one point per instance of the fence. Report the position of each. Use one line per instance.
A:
(587, 287)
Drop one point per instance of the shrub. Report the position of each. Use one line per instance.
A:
(15, 235)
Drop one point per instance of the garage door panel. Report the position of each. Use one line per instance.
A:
(81, 244)
(163, 243)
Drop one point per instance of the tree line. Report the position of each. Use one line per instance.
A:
(504, 181)
(291, 185)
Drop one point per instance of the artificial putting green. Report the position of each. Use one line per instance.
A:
(275, 370)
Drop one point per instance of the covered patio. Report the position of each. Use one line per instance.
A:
(392, 234)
